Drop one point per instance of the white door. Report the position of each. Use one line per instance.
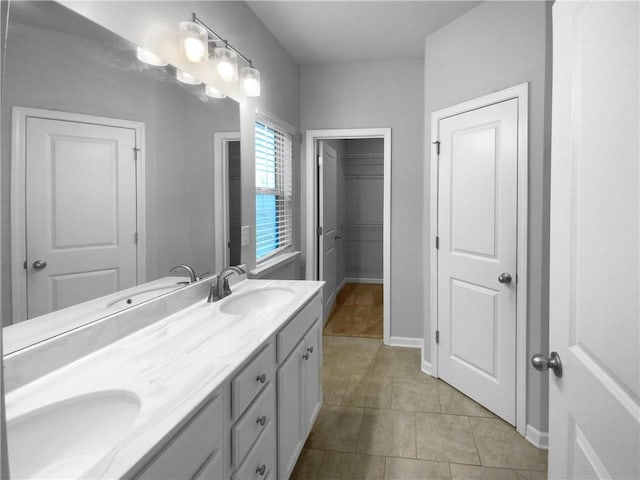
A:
(328, 193)
(80, 212)
(594, 408)
(477, 195)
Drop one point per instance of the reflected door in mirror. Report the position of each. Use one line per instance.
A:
(81, 212)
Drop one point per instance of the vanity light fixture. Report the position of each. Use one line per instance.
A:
(225, 62)
(184, 77)
(150, 58)
(193, 41)
(213, 92)
(250, 78)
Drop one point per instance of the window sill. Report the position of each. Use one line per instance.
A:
(273, 264)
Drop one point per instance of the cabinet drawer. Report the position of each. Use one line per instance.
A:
(253, 378)
(293, 331)
(253, 422)
(260, 464)
(185, 453)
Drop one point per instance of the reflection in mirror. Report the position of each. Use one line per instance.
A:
(111, 163)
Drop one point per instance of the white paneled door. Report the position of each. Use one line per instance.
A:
(477, 230)
(594, 408)
(80, 212)
(328, 193)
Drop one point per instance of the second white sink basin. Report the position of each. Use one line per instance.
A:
(65, 439)
(257, 300)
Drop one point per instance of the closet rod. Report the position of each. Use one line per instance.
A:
(364, 176)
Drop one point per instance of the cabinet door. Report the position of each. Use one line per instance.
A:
(291, 433)
(312, 378)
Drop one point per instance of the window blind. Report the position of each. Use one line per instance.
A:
(274, 190)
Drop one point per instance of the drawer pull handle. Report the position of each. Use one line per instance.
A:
(262, 420)
(261, 378)
(310, 349)
(261, 470)
(305, 356)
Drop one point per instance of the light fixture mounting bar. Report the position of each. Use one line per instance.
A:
(217, 37)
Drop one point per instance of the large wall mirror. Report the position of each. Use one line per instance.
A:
(107, 168)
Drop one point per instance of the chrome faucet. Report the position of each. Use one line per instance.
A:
(220, 287)
(192, 273)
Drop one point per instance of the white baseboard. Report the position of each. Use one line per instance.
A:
(426, 367)
(363, 280)
(405, 342)
(536, 437)
(342, 284)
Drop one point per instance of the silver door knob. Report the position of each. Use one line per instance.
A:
(542, 363)
(504, 277)
(39, 265)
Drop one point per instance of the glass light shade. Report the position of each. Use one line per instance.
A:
(193, 41)
(150, 58)
(250, 78)
(184, 77)
(225, 62)
(213, 92)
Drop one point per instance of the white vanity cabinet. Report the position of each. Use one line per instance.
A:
(299, 383)
(196, 451)
(256, 426)
(253, 434)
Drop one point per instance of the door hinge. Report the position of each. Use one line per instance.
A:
(437, 144)
(437, 336)
(319, 230)
(135, 154)
(135, 238)
(24, 265)
(319, 160)
(437, 243)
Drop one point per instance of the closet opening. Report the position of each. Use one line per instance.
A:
(348, 225)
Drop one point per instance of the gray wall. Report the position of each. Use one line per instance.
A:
(382, 94)
(364, 177)
(494, 46)
(59, 71)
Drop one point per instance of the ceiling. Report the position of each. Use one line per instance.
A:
(316, 32)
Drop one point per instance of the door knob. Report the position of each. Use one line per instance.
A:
(504, 277)
(39, 265)
(542, 363)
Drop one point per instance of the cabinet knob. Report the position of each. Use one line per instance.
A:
(310, 349)
(261, 378)
(261, 470)
(262, 420)
(305, 356)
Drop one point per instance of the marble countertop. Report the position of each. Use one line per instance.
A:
(172, 366)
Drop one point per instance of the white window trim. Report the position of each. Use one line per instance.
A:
(273, 260)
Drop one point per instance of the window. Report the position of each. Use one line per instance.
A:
(274, 191)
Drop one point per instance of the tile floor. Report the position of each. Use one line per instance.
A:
(382, 418)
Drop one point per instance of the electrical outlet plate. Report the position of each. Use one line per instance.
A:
(246, 235)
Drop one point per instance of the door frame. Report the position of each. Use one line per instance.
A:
(311, 248)
(521, 93)
(18, 198)
(221, 194)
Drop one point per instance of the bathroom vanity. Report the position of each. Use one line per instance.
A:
(224, 390)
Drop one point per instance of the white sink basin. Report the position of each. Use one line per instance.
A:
(65, 439)
(257, 301)
(141, 296)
